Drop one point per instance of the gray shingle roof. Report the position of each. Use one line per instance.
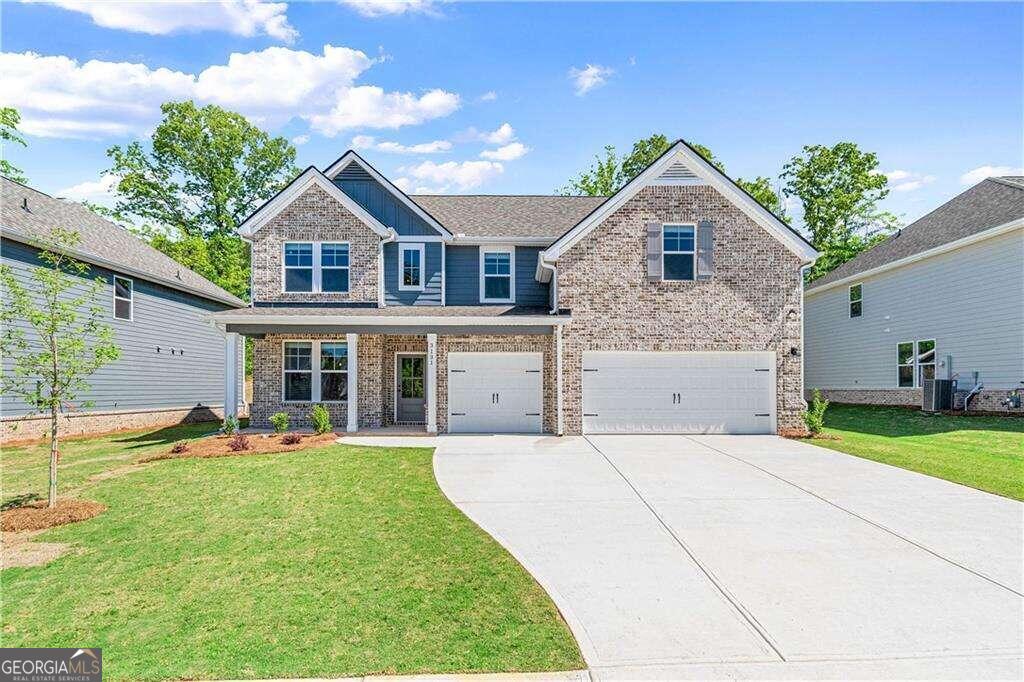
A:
(507, 215)
(990, 203)
(101, 241)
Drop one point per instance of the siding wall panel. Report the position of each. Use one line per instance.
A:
(431, 295)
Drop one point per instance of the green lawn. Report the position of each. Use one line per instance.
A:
(983, 452)
(320, 563)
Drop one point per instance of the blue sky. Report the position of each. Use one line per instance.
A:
(515, 98)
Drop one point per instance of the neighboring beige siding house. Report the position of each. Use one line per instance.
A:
(673, 306)
(944, 297)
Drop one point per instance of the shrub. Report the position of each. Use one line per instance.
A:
(814, 418)
(179, 447)
(291, 438)
(239, 442)
(280, 421)
(321, 419)
(230, 425)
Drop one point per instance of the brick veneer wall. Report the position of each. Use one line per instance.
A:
(751, 304)
(314, 216)
(92, 423)
(986, 401)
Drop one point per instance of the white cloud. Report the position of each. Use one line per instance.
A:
(973, 177)
(300, 140)
(502, 135)
(589, 77)
(383, 8)
(97, 191)
(907, 181)
(463, 175)
(370, 142)
(60, 97)
(509, 152)
(489, 96)
(246, 18)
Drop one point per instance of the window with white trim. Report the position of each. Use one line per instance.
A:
(123, 298)
(497, 278)
(311, 267)
(315, 371)
(915, 362)
(410, 267)
(856, 300)
(298, 371)
(678, 252)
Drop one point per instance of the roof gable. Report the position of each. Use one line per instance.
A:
(350, 157)
(280, 201)
(681, 164)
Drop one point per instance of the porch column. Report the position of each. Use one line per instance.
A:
(560, 423)
(431, 383)
(231, 344)
(352, 341)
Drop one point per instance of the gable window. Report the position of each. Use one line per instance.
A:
(677, 252)
(298, 371)
(334, 267)
(298, 266)
(497, 279)
(915, 362)
(856, 298)
(410, 267)
(123, 295)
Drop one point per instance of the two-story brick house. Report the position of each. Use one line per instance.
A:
(673, 306)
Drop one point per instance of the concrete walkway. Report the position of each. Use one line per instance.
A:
(751, 557)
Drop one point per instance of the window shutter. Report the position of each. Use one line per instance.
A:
(705, 249)
(654, 252)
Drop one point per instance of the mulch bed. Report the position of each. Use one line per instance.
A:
(803, 434)
(259, 444)
(37, 516)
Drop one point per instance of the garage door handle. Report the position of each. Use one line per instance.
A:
(458, 371)
(533, 414)
(458, 414)
(762, 370)
(533, 371)
(766, 414)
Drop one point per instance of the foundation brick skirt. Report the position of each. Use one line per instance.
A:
(86, 423)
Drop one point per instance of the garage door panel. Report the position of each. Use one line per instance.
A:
(684, 392)
(495, 392)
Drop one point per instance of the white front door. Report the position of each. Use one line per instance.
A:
(668, 392)
(495, 392)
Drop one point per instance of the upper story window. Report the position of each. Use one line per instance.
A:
(915, 362)
(497, 278)
(410, 267)
(856, 299)
(678, 252)
(123, 298)
(316, 267)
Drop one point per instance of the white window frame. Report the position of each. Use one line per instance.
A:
(850, 301)
(319, 371)
(510, 249)
(319, 267)
(692, 253)
(915, 362)
(316, 372)
(130, 299)
(416, 248)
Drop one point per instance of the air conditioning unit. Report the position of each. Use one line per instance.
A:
(937, 395)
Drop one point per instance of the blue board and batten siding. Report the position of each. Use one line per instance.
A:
(431, 294)
(143, 378)
(462, 276)
(381, 203)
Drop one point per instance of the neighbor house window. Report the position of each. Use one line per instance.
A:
(497, 282)
(123, 293)
(915, 362)
(333, 372)
(334, 267)
(677, 252)
(298, 266)
(410, 267)
(856, 295)
(298, 371)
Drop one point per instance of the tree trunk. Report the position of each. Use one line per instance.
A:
(52, 498)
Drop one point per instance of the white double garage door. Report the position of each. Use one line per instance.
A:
(634, 392)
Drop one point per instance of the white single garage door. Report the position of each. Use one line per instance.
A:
(495, 392)
(664, 392)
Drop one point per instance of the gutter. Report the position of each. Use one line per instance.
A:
(548, 272)
(393, 321)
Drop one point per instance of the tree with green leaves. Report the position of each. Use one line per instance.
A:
(839, 188)
(9, 120)
(206, 170)
(68, 340)
(761, 189)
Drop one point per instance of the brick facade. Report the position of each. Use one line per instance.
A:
(752, 303)
(93, 423)
(988, 400)
(314, 216)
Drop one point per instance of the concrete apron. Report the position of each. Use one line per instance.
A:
(750, 557)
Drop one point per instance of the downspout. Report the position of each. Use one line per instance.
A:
(391, 236)
(554, 282)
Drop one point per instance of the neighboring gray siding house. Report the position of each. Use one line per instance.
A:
(172, 366)
(943, 297)
(672, 306)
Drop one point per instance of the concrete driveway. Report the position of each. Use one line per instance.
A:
(750, 556)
